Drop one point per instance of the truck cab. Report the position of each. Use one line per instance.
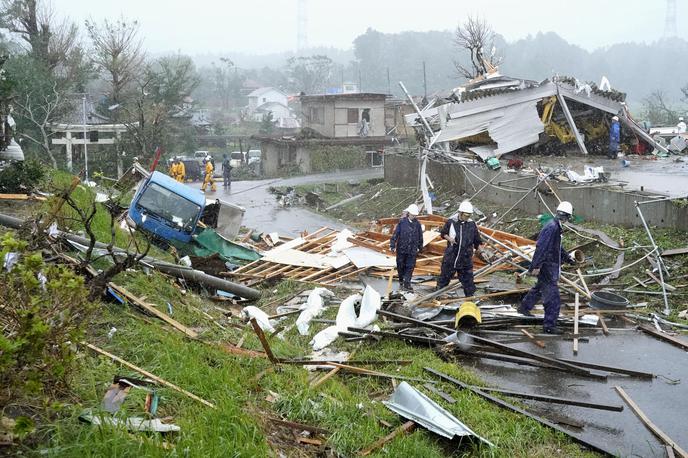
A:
(166, 208)
(173, 211)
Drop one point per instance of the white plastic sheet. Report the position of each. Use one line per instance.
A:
(260, 316)
(346, 317)
(312, 309)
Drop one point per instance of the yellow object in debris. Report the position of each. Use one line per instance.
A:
(468, 315)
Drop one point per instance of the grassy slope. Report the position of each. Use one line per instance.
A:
(348, 406)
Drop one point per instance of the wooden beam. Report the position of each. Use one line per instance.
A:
(663, 336)
(648, 423)
(585, 285)
(532, 338)
(153, 311)
(406, 427)
(575, 326)
(605, 329)
(264, 341)
(554, 400)
(601, 367)
(148, 374)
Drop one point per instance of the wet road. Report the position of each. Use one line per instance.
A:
(263, 212)
(663, 399)
(664, 175)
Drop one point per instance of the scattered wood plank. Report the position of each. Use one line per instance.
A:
(667, 286)
(532, 338)
(618, 370)
(152, 310)
(639, 282)
(22, 197)
(406, 427)
(263, 341)
(148, 374)
(309, 441)
(648, 423)
(674, 252)
(575, 326)
(585, 285)
(433, 389)
(555, 400)
(664, 336)
(603, 324)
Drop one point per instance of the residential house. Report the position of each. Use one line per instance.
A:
(345, 115)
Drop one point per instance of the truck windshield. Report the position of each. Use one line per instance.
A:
(165, 204)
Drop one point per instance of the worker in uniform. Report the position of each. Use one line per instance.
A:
(226, 172)
(462, 238)
(407, 242)
(681, 126)
(546, 266)
(208, 179)
(614, 138)
(173, 169)
(179, 170)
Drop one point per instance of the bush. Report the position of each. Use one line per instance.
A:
(22, 177)
(329, 158)
(42, 309)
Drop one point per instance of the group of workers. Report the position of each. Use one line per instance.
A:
(463, 241)
(178, 172)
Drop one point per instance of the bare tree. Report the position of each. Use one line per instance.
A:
(309, 74)
(39, 111)
(474, 36)
(121, 259)
(51, 40)
(118, 53)
(658, 111)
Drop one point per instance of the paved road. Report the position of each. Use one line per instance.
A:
(266, 215)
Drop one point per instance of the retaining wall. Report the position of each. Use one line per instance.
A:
(592, 203)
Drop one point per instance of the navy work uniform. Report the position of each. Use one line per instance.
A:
(458, 256)
(408, 242)
(549, 254)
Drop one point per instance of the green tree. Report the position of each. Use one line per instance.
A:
(267, 123)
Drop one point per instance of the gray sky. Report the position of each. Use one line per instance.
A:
(265, 26)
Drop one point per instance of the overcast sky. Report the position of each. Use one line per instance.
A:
(266, 26)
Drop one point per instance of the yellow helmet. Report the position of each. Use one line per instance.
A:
(468, 315)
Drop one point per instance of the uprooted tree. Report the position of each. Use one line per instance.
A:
(475, 36)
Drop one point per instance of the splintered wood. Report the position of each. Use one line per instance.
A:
(309, 258)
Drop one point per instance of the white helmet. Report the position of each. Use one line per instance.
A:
(565, 207)
(465, 207)
(680, 118)
(413, 210)
(615, 118)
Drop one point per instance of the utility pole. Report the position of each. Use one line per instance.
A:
(425, 82)
(389, 84)
(83, 101)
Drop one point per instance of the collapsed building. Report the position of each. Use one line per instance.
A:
(498, 114)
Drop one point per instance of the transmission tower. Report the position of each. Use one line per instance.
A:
(301, 26)
(670, 29)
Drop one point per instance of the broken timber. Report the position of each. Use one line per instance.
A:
(148, 374)
(552, 399)
(648, 423)
(406, 427)
(663, 336)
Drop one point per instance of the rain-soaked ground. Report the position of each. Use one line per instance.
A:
(662, 175)
(663, 399)
(264, 213)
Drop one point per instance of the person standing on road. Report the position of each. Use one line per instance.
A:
(614, 138)
(226, 171)
(463, 237)
(681, 126)
(546, 266)
(208, 179)
(407, 242)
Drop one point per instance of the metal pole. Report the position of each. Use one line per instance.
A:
(83, 100)
(660, 263)
(415, 107)
(425, 82)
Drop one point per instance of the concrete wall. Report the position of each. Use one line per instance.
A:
(597, 204)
